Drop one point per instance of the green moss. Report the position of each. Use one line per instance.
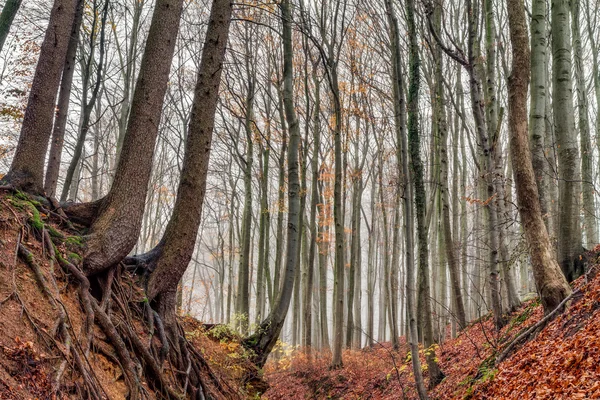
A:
(75, 241)
(54, 233)
(74, 257)
(21, 196)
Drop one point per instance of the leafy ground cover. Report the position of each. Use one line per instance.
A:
(562, 361)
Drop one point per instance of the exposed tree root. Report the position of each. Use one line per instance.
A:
(167, 362)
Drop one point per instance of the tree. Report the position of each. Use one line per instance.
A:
(551, 283)
(116, 228)
(569, 173)
(587, 183)
(88, 105)
(403, 165)
(414, 150)
(170, 258)
(265, 337)
(442, 131)
(27, 168)
(62, 108)
(9, 11)
(537, 115)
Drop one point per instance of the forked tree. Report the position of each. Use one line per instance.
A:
(116, 228)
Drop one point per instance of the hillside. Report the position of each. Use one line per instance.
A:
(560, 362)
(46, 348)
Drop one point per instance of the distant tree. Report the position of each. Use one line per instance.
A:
(569, 173)
(419, 197)
(267, 333)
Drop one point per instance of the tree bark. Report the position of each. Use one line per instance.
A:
(404, 172)
(177, 245)
(88, 105)
(62, 108)
(537, 115)
(587, 174)
(266, 335)
(435, 373)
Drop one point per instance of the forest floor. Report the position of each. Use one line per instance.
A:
(561, 362)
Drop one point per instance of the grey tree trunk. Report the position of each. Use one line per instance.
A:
(537, 114)
(243, 299)
(62, 107)
(265, 337)
(569, 173)
(9, 11)
(404, 172)
(89, 105)
(308, 295)
(279, 240)
(442, 131)
(587, 173)
(435, 373)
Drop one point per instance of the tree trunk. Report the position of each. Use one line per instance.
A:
(279, 240)
(537, 115)
(27, 168)
(308, 302)
(435, 374)
(569, 174)
(338, 218)
(116, 230)
(266, 335)
(88, 106)
(9, 11)
(243, 300)
(551, 284)
(405, 173)
(173, 253)
(62, 108)
(587, 175)
(442, 130)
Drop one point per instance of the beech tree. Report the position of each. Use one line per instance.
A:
(168, 261)
(569, 173)
(265, 337)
